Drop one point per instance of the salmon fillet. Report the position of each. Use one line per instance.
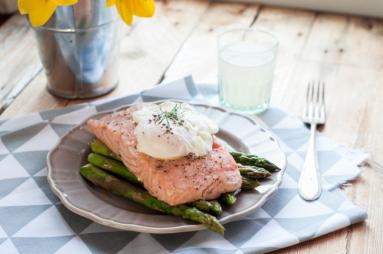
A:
(176, 181)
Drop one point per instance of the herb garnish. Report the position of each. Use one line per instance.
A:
(164, 118)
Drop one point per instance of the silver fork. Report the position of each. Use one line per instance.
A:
(309, 185)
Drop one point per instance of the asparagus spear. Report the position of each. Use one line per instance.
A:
(98, 147)
(212, 206)
(228, 198)
(253, 172)
(124, 189)
(253, 160)
(113, 166)
(119, 169)
(249, 184)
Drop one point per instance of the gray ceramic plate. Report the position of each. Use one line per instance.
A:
(237, 131)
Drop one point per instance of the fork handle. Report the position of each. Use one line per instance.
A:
(309, 186)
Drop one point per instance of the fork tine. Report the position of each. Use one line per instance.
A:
(310, 90)
(322, 116)
(322, 101)
(314, 101)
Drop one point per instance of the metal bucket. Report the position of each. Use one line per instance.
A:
(79, 49)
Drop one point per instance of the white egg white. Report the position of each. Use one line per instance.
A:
(191, 136)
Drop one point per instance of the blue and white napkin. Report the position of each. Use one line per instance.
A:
(32, 220)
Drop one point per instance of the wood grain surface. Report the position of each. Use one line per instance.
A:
(344, 51)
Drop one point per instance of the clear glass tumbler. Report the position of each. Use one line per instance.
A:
(246, 69)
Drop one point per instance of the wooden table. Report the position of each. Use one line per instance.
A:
(345, 51)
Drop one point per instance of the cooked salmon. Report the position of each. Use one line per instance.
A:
(175, 181)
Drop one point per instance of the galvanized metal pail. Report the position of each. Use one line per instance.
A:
(79, 49)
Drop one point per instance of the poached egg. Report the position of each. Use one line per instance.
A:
(171, 130)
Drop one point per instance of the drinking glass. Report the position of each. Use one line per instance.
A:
(246, 69)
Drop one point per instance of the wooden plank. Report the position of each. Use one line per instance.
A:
(155, 42)
(145, 54)
(198, 56)
(293, 36)
(353, 80)
(17, 46)
(346, 42)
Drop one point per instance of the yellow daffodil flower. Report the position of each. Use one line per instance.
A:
(40, 11)
(129, 8)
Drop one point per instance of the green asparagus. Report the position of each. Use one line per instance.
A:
(249, 184)
(124, 189)
(113, 166)
(253, 160)
(253, 172)
(228, 198)
(211, 206)
(100, 148)
(119, 169)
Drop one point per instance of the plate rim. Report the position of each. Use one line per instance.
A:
(149, 229)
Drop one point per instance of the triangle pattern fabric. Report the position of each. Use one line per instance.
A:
(260, 213)
(8, 185)
(278, 201)
(98, 228)
(26, 194)
(42, 141)
(337, 220)
(143, 243)
(327, 159)
(50, 114)
(41, 224)
(75, 117)
(13, 218)
(272, 116)
(296, 138)
(2, 156)
(8, 247)
(49, 224)
(293, 173)
(76, 222)
(32, 161)
(289, 123)
(20, 122)
(172, 243)
(215, 241)
(239, 232)
(116, 241)
(15, 139)
(11, 168)
(303, 228)
(3, 234)
(42, 182)
(288, 182)
(75, 245)
(3, 148)
(306, 209)
(332, 201)
(2, 240)
(42, 172)
(61, 129)
(40, 245)
(281, 237)
(340, 167)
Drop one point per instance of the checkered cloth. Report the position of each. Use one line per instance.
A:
(32, 220)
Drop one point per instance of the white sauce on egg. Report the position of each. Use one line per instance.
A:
(171, 130)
